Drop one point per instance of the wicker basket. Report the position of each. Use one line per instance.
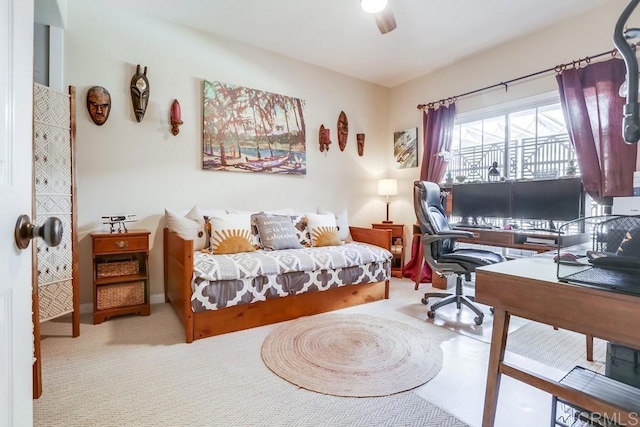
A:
(118, 268)
(120, 295)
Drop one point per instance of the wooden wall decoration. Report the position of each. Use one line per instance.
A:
(139, 93)
(343, 130)
(360, 140)
(324, 138)
(175, 117)
(98, 104)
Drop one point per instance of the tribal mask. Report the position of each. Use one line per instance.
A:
(98, 104)
(139, 93)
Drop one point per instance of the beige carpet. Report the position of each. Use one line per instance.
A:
(352, 355)
(561, 349)
(137, 371)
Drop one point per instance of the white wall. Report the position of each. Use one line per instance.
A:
(129, 167)
(586, 35)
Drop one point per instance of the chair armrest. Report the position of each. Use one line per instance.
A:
(372, 236)
(455, 233)
(447, 234)
(437, 266)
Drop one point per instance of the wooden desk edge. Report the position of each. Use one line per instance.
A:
(490, 289)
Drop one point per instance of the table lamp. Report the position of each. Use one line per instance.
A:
(387, 187)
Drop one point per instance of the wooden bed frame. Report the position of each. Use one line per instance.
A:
(178, 271)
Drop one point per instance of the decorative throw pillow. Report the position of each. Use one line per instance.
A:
(231, 234)
(190, 226)
(299, 221)
(342, 221)
(630, 245)
(276, 232)
(255, 235)
(323, 229)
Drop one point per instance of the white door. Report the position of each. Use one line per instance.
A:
(16, 100)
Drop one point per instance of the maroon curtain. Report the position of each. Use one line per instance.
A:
(438, 135)
(593, 111)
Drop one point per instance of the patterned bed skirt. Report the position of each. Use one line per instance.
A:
(215, 295)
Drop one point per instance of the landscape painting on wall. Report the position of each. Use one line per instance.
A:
(405, 148)
(250, 130)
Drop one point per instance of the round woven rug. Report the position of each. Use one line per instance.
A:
(352, 355)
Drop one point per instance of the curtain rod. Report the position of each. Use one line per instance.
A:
(557, 69)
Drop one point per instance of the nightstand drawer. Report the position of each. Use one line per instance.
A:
(397, 230)
(120, 243)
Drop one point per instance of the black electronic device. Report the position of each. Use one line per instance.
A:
(554, 199)
(485, 200)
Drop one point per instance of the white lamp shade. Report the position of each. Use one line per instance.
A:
(373, 6)
(387, 187)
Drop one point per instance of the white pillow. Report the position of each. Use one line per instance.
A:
(342, 221)
(323, 229)
(231, 234)
(190, 226)
(212, 212)
(239, 211)
(286, 211)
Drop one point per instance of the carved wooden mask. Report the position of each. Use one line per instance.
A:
(98, 104)
(324, 139)
(139, 93)
(343, 130)
(360, 140)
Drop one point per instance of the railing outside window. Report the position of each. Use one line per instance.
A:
(530, 143)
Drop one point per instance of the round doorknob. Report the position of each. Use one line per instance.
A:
(50, 231)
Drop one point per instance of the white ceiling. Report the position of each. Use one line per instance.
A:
(340, 36)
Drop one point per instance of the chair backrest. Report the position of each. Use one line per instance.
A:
(431, 215)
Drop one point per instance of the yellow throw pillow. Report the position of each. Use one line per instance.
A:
(323, 229)
(231, 234)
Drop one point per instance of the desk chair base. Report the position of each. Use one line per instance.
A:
(458, 298)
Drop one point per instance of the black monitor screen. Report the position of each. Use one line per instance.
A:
(560, 199)
(487, 199)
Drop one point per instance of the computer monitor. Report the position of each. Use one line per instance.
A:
(553, 199)
(486, 200)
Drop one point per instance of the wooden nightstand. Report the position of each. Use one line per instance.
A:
(397, 246)
(120, 274)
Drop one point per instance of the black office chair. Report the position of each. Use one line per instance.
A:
(438, 240)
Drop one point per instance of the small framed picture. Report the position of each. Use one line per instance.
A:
(405, 148)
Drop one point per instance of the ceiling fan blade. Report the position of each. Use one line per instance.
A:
(385, 20)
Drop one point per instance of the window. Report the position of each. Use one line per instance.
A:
(527, 143)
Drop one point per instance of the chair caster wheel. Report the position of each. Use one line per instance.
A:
(492, 310)
(431, 314)
(478, 320)
(425, 301)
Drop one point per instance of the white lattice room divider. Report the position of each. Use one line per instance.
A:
(53, 155)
